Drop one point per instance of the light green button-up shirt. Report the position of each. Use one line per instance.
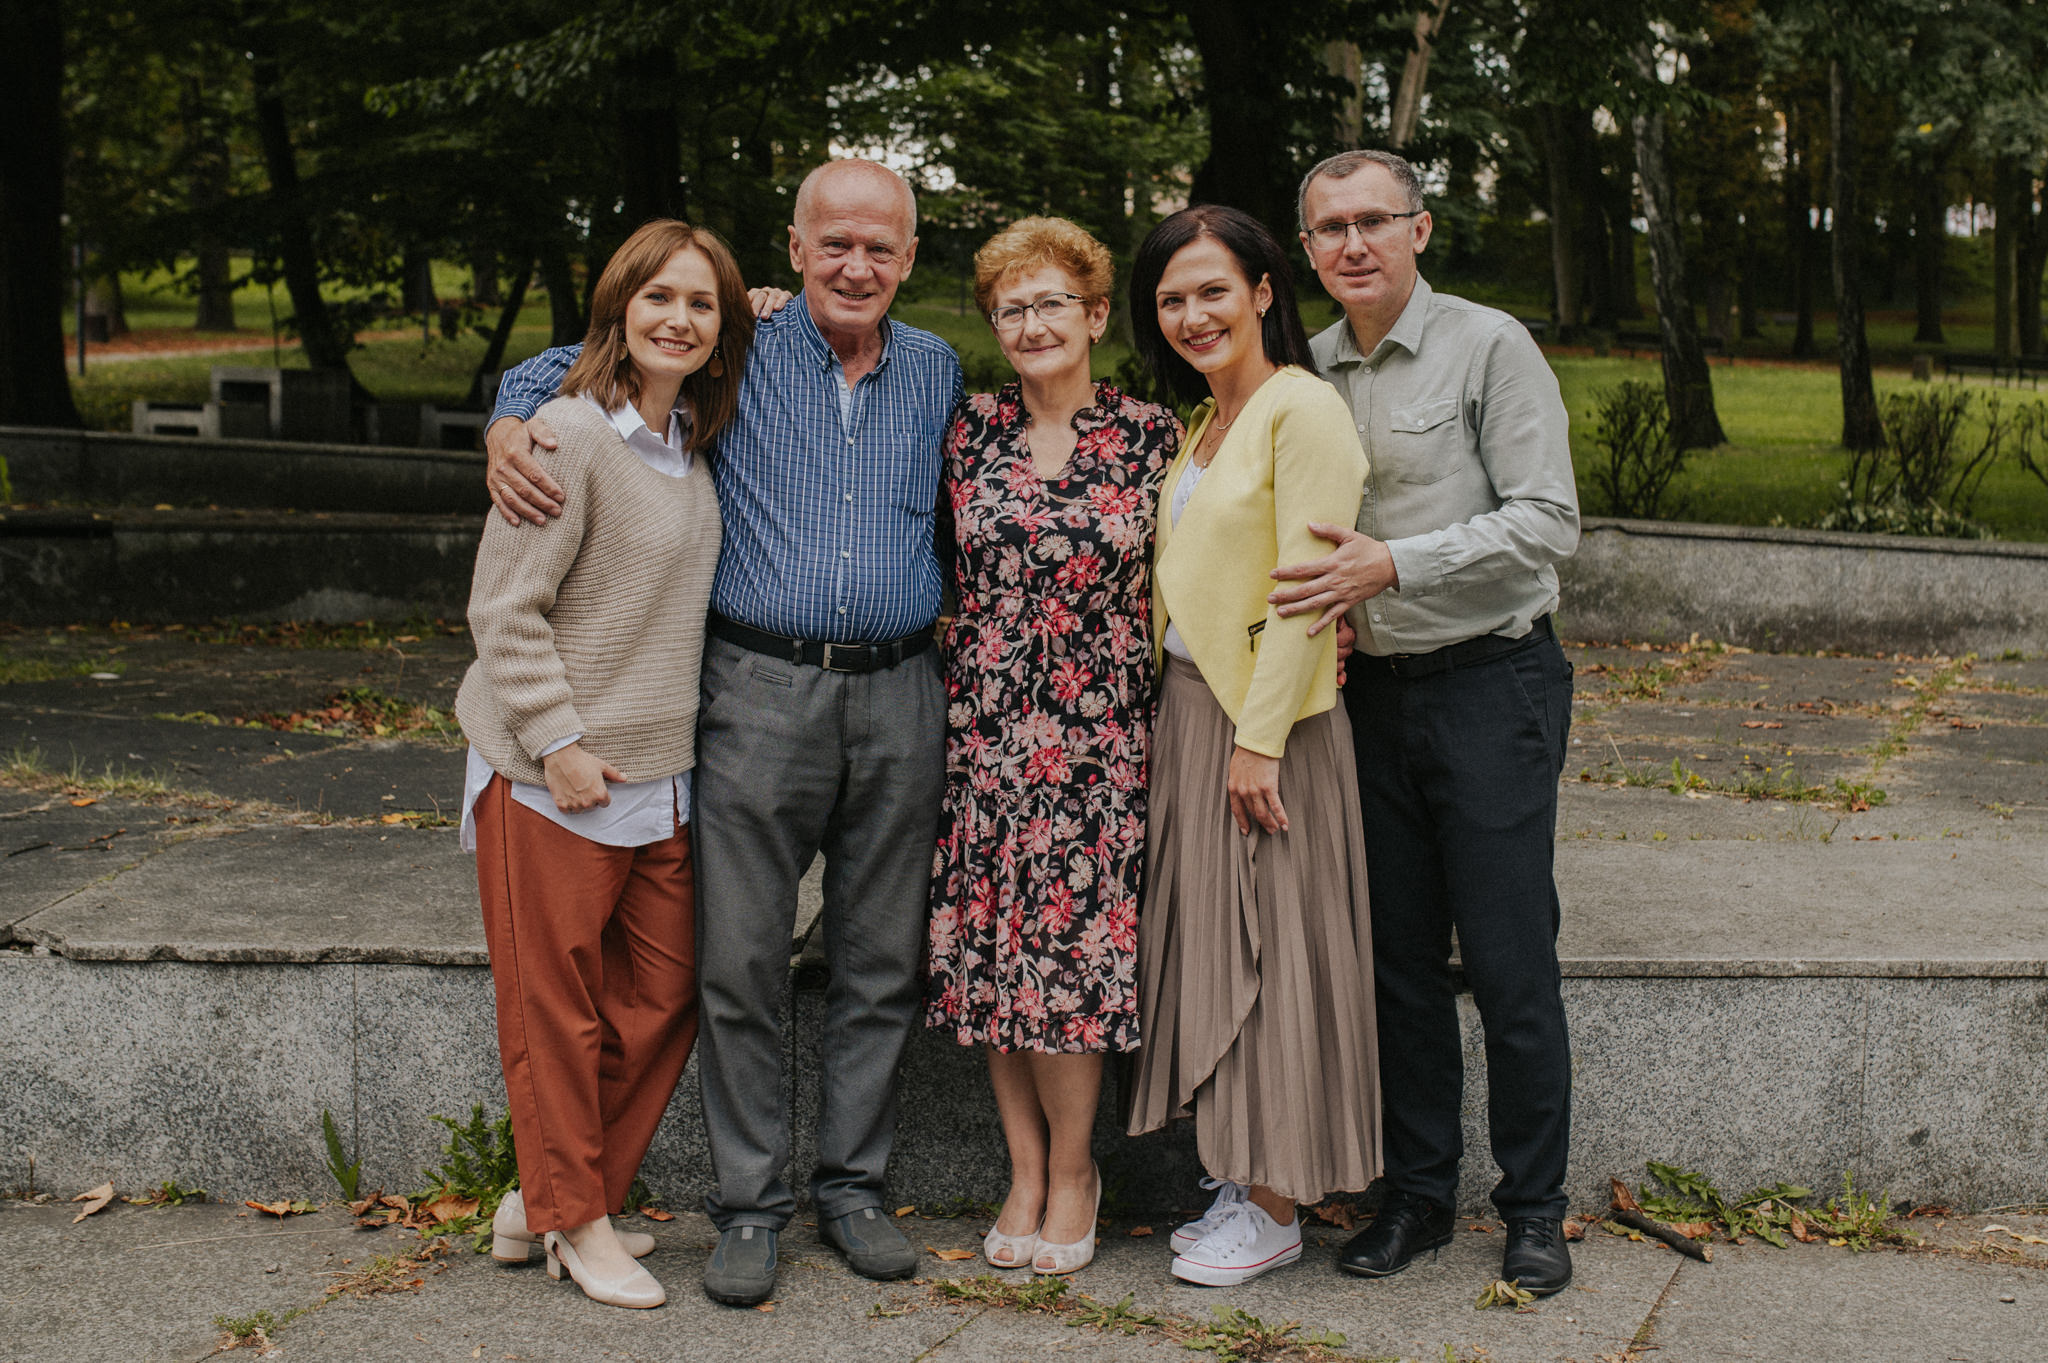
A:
(1471, 483)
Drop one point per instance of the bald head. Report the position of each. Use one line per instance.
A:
(853, 179)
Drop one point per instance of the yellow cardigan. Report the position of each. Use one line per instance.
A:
(1291, 457)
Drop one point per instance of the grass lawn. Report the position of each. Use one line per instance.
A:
(1782, 458)
(1782, 420)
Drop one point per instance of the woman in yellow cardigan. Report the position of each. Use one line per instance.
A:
(1254, 945)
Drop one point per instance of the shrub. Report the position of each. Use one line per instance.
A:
(1640, 460)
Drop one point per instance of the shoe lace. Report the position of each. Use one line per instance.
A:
(1539, 1232)
(1234, 1227)
(1228, 1195)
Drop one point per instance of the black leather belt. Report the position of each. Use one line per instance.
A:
(1465, 653)
(831, 657)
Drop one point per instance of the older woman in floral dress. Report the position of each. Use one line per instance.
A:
(1054, 485)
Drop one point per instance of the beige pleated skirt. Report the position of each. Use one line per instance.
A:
(1255, 992)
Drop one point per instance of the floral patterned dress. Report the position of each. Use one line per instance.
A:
(1035, 887)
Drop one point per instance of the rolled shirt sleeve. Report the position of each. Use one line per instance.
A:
(529, 384)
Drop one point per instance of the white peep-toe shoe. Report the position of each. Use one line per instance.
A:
(636, 1290)
(1022, 1249)
(1060, 1260)
(513, 1243)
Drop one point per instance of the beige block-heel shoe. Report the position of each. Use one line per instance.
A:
(513, 1243)
(1060, 1260)
(636, 1290)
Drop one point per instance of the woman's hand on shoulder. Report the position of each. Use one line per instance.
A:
(576, 779)
(1254, 783)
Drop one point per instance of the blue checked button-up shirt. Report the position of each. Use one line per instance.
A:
(828, 520)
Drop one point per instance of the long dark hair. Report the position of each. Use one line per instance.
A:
(1256, 253)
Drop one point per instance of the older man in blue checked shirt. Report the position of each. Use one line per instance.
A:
(822, 727)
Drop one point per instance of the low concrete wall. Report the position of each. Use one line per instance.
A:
(167, 566)
(98, 468)
(1930, 1089)
(1804, 590)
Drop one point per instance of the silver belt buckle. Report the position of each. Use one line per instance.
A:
(826, 661)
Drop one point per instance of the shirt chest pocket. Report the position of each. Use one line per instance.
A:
(1425, 441)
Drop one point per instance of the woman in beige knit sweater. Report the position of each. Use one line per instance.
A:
(581, 711)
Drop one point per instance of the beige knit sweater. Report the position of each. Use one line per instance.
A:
(594, 622)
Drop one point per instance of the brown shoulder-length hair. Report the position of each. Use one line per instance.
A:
(605, 371)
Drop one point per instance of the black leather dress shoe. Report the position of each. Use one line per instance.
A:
(1407, 1226)
(1537, 1259)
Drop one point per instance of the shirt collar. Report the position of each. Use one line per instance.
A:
(1406, 331)
(807, 327)
(628, 422)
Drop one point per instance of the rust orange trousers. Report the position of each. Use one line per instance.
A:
(593, 956)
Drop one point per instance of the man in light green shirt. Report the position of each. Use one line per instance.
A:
(1460, 703)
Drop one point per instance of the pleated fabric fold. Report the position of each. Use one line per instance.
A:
(1255, 986)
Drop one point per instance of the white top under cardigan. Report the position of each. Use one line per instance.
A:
(1185, 489)
(641, 812)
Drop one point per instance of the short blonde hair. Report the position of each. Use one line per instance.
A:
(1033, 242)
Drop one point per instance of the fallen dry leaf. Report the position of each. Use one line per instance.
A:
(448, 1207)
(1761, 724)
(82, 802)
(1623, 1198)
(1693, 1230)
(951, 1256)
(1932, 1209)
(766, 1307)
(362, 1207)
(93, 1200)
(392, 818)
(1574, 1229)
(1483, 1230)
(657, 1214)
(905, 1211)
(1140, 1232)
(1963, 724)
(1800, 1232)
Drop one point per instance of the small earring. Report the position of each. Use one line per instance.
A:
(717, 364)
(1262, 312)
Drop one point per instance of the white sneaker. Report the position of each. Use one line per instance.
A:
(1228, 1194)
(1245, 1243)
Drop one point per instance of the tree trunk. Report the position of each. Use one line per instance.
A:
(565, 317)
(1596, 270)
(1930, 244)
(318, 335)
(650, 140)
(484, 288)
(494, 353)
(416, 282)
(206, 157)
(1718, 303)
(1688, 386)
(1407, 109)
(1567, 265)
(1861, 429)
(1624, 294)
(1799, 227)
(1340, 59)
(104, 303)
(2007, 200)
(1250, 164)
(2033, 256)
(33, 388)
(1745, 303)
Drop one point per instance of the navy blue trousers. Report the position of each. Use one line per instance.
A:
(1457, 774)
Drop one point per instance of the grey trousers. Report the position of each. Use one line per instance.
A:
(793, 761)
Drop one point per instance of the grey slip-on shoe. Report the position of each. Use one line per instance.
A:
(742, 1267)
(873, 1247)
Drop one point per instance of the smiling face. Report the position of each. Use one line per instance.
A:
(1368, 276)
(853, 244)
(1208, 311)
(672, 321)
(1043, 351)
